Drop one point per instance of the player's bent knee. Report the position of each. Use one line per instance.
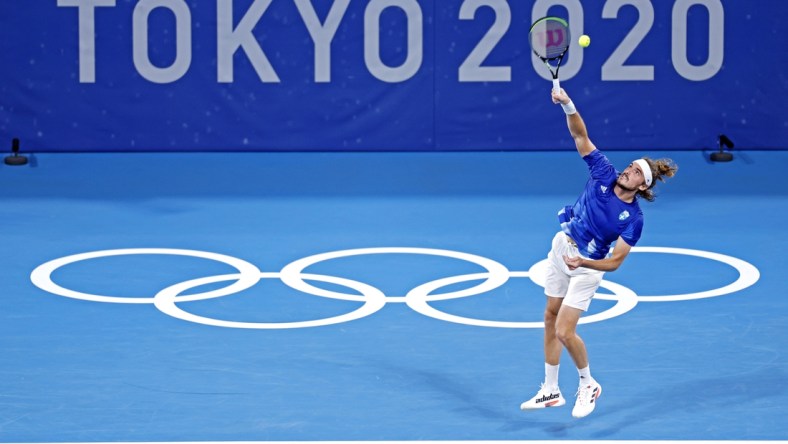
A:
(564, 336)
(565, 332)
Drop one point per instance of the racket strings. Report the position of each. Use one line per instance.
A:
(549, 38)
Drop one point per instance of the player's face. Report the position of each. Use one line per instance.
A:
(631, 178)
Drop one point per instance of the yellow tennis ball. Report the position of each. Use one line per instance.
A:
(584, 40)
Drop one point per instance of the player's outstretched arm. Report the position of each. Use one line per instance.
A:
(577, 128)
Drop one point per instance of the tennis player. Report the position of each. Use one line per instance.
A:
(606, 215)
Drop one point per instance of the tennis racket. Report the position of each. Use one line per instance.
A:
(549, 39)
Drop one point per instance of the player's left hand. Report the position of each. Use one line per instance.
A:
(573, 262)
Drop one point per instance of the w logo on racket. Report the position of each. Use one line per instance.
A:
(552, 38)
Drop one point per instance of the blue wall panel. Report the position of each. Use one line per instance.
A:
(198, 75)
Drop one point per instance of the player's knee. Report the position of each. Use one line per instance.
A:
(564, 333)
(550, 317)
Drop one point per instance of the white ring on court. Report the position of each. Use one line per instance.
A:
(748, 274)
(418, 298)
(497, 274)
(42, 275)
(165, 300)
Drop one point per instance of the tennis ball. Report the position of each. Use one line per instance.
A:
(584, 40)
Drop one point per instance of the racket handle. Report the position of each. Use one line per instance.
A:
(556, 85)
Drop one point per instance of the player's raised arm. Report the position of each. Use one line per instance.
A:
(577, 128)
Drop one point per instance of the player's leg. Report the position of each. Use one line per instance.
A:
(581, 290)
(556, 286)
(549, 395)
(566, 335)
(552, 346)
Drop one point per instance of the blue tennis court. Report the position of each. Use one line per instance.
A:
(156, 297)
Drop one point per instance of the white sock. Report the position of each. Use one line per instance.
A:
(585, 374)
(550, 375)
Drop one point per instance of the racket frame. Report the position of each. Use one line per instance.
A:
(558, 58)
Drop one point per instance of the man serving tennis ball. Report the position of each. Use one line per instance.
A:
(607, 213)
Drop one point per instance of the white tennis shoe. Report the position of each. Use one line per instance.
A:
(587, 394)
(545, 397)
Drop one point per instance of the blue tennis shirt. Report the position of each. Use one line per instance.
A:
(599, 217)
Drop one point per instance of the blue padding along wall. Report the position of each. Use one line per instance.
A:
(432, 75)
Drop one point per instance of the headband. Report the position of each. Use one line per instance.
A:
(646, 170)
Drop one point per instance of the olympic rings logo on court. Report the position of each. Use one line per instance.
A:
(372, 298)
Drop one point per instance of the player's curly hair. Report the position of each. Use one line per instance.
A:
(661, 169)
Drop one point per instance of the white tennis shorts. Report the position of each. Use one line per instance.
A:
(576, 287)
